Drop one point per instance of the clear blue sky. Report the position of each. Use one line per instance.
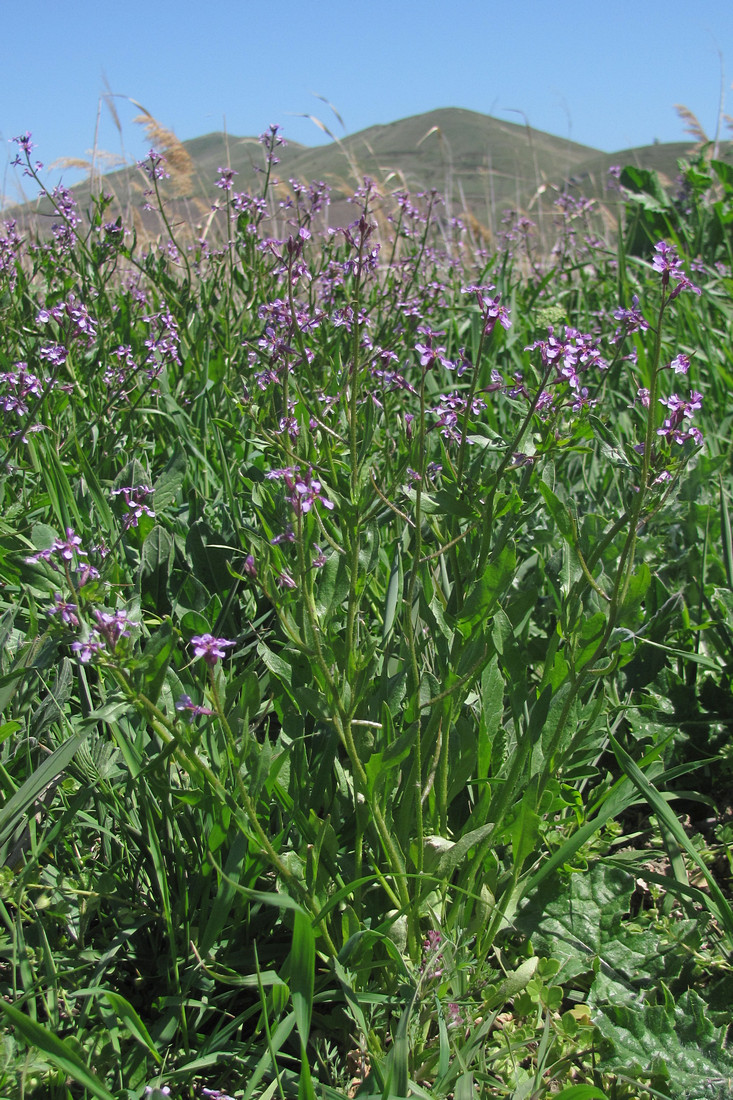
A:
(606, 74)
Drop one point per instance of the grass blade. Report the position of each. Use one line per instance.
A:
(56, 1050)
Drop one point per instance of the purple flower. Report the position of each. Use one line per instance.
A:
(69, 546)
(112, 626)
(56, 355)
(85, 651)
(185, 702)
(135, 499)
(226, 177)
(304, 491)
(633, 320)
(680, 364)
(679, 411)
(23, 141)
(669, 265)
(67, 611)
(210, 648)
(86, 573)
(492, 311)
(152, 166)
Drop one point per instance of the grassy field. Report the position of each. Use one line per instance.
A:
(366, 609)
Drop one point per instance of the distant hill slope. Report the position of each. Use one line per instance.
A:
(481, 164)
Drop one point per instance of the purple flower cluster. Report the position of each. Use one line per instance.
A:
(68, 550)
(163, 342)
(11, 244)
(104, 638)
(21, 389)
(210, 648)
(632, 320)
(450, 410)
(271, 140)
(152, 166)
(571, 356)
(226, 178)
(669, 265)
(25, 146)
(304, 489)
(491, 309)
(672, 429)
(136, 497)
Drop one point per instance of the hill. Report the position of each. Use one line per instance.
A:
(481, 164)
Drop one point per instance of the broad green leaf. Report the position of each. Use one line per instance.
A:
(486, 591)
(156, 564)
(169, 483)
(676, 1043)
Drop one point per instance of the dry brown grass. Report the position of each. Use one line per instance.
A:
(177, 158)
(693, 126)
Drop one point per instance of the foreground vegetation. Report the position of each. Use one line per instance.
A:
(367, 635)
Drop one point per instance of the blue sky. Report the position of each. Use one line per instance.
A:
(606, 74)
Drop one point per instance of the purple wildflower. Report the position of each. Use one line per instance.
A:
(67, 611)
(679, 411)
(680, 364)
(632, 319)
(87, 650)
(135, 499)
(210, 648)
(69, 546)
(669, 265)
(186, 703)
(152, 166)
(305, 490)
(226, 178)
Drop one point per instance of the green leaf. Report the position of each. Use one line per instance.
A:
(524, 831)
(157, 655)
(485, 593)
(15, 809)
(302, 974)
(716, 900)
(492, 712)
(156, 564)
(394, 593)
(559, 513)
(333, 586)
(168, 485)
(129, 1017)
(580, 1092)
(676, 1043)
(56, 1050)
(572, 921)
